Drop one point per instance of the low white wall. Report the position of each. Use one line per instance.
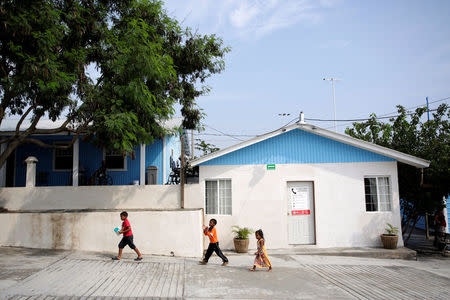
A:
(155, 232)
(259, 201)
(91, 197)
(194, 196)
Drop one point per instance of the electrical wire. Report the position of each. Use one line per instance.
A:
(408, 108)
(224, 133)
(422, 105)
(359, 120)
(384, 116)
(215, 134)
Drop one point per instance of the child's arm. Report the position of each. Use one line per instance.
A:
(128, 228)
(206, 231)
(259, 250)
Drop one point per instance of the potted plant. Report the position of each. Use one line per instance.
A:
(390, 238)
(241, 239)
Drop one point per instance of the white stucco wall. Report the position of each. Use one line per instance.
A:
(91, 197)
(155, 232)
(259, 201)
(194, 196)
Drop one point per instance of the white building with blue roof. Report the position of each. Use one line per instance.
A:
(302, 185)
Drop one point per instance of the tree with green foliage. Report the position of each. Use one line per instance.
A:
(421, 191)
(205, 147)
(148, 64)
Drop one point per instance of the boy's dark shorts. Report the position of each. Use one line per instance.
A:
(127, 240)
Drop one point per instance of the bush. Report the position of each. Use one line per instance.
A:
(242, 233)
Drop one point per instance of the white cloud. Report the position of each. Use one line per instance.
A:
(247, 18)
(243, 15)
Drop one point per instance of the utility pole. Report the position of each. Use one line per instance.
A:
(334, 99)
(192, 143)
(427, 230)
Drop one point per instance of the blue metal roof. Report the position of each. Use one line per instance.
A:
(296, 146)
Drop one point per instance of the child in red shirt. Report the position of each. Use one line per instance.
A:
(213, 243)
(127, 238)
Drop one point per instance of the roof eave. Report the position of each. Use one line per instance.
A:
(399, 156)
(394, 154)
(247, 143)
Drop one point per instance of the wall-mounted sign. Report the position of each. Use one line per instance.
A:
(271, 167)
(299, 201)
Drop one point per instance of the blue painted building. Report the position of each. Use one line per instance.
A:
(54, 167)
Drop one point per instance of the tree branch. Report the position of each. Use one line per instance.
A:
(32, 127)
(4, 68)
(2, 114)
(47, 146)
(61, 128)
(62, 147)
(5, 140)
(23, 118)
(4, 104)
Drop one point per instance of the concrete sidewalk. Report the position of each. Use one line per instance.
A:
(369, 252)
(40, 274)
(423, 246)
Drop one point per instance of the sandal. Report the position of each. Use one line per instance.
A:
(252, 269)
(138, 259)
(115, 258)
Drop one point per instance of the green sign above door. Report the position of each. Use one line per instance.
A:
(271, 167)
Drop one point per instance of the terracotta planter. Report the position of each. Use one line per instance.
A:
(241, 245)
(389, 241)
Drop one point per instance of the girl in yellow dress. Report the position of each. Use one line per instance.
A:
(261, 259)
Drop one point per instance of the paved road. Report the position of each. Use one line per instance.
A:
(37, 274)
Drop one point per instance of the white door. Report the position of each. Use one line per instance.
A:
(300, 213)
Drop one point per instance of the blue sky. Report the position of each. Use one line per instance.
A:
(385, 52)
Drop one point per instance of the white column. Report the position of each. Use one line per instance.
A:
(76, 162)
(31, 171)
(3, 169)
(142, 179)
(164, 160)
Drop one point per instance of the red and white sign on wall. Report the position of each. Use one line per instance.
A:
(299, 201)
(301, 212)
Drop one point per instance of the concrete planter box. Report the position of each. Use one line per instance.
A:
(241, 245)
(389, 241)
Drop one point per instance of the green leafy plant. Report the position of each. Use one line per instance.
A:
(242, 233)
(391, 230)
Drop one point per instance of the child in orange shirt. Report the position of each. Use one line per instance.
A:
(213, 243)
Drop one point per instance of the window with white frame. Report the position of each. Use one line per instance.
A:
(378, 193)
(62, 158)
(218, 197)
(115, 160)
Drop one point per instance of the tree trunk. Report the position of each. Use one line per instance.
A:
(412, 229)
(405, 228)
(9, 149)
(427, 229)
